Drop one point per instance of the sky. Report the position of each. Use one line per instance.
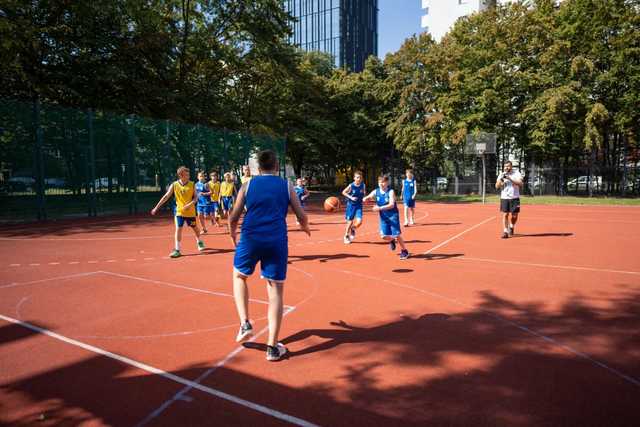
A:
(397, 20)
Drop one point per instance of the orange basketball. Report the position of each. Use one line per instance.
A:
(332, 204)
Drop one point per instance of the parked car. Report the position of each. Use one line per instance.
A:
(21, 183)
(581, 183)
(58, 183)
(442, 183)
(104, 182)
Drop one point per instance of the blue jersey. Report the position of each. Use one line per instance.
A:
(382, 199)
(408, 189)
(300, 192)
(202, 187)
(356, 191)
(267, 203)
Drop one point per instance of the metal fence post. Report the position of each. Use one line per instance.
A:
(39, 164)
(93, 211)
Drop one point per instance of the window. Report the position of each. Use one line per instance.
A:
(463, 1)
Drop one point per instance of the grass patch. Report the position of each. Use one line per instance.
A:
(533, 200)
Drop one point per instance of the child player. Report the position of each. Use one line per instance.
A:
(214, 188)
(184, 193)
(409, 191)
(354, 194)
(385, 200)
(246, 174)
(227, 192)
(204, 200)
(263, 239)
(301, 192)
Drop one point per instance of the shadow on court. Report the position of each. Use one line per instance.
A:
(435, 257)
(543, 235)
(382, 242)
(11, 332)
(81, 226)
(323, 257)
(468, 368)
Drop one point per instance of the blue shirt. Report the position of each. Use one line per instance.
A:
(202, 187)
(382, 199)
(300, 190)
(408, 189)
(267, 203)
(356, 191)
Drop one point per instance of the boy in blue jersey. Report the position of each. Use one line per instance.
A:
(354, 194)
(385, 199)
(409, 191)
(204, 200)
(301, 192)
(263, 239)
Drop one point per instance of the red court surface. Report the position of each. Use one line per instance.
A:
(99, 327)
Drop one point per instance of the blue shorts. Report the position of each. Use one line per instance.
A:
(190, 220)
(214, 208)
(272, 256)
(227, 203)
(409, 202)
(204, 209)
(390, 226)
(353, 211)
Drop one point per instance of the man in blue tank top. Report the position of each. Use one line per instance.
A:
(409, 191)
(263, 239)
(354, 194)
(385, 199)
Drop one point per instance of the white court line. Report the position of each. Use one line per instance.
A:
(459, 234)
(182, 393)
(566, 267)
(70, 276)
(454, 301)
(174, 285)
(214, 392)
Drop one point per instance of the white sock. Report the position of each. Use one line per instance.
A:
(510, 225)
(177, 246)
(506, 231)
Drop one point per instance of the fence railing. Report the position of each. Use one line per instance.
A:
(61, 162)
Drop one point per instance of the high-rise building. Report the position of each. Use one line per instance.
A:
(346, 29)
(440, 15)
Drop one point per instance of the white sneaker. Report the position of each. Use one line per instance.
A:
(277, 352)
(406, 224)
(412, 223)
(346, 240)
(245, 331)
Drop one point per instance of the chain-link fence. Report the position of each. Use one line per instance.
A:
(58, 162)
(619, 181)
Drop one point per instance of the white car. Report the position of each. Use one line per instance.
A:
(582, 182)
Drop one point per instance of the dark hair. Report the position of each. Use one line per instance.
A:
(508, 161)
(383, 177)
(267, 160)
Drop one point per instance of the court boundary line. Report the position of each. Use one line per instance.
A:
(504, 320)
(167, 375)
(439, 245)
(529, 264)
(34, 282)
(182, 393)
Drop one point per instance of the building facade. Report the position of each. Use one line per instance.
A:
(346, 29)
(439, 16)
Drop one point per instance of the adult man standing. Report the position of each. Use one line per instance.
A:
(510, 182)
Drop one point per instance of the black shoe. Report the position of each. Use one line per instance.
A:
(404, 254)
(512, 230)
(392, 244)
(246, 330)
(505, 235)
(276, 352)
